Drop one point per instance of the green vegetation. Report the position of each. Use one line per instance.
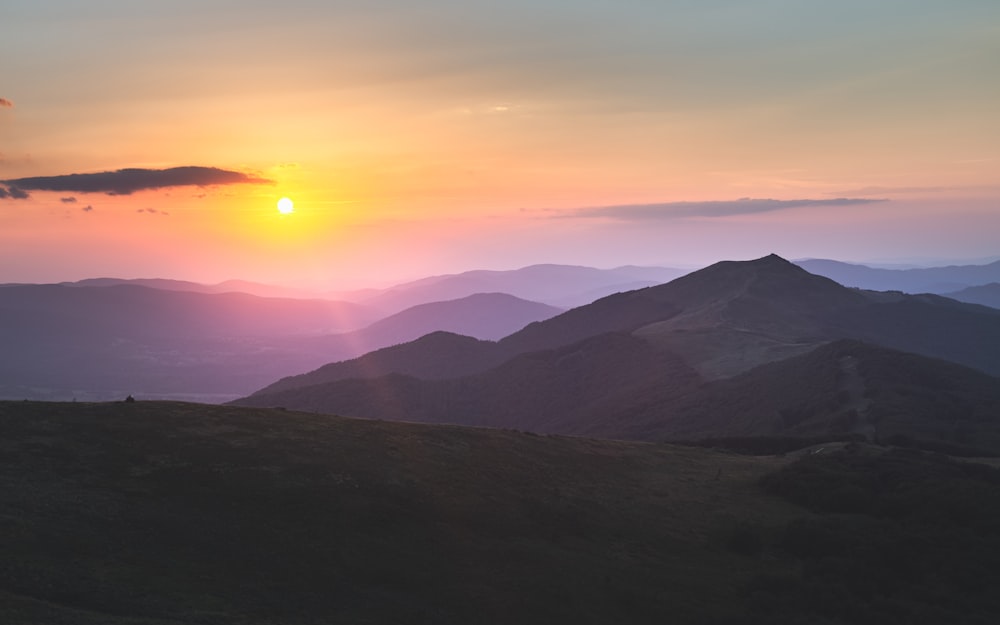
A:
(172, 513)
(158, 513)
(901, 537)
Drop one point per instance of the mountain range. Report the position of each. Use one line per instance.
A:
(103, 342)
(939, 280)
(642, 364)
(562, 286)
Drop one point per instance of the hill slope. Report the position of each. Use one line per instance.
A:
(629, 365)
(180, 513)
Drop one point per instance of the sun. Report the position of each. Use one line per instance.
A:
(285, 206)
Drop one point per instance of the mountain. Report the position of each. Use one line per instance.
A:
(937, 280)
(986, 295)
(172, 513)
(229, 286)
(603, 368)
(843, 387)
(563, 286)
(487, 316)
(104, 342)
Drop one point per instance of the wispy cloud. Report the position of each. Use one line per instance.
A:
(68, 200)
(87, 208)
(714, 208)
(5, 103)
(152, 211)
(128, 181)
(895, 190)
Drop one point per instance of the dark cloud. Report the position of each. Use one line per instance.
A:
(68, 200)
(128, 181)
(717, 208)
(13, 193)
(5, 103)
(87, 208)
(152, 211)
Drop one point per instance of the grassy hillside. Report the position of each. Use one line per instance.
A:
(181, 513)
(167, 514)
(841, 388)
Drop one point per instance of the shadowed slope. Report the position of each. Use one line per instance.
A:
(651, 350)
(844, 387)
(179, 514)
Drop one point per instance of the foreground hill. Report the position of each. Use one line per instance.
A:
(171, 514)
(182, 513)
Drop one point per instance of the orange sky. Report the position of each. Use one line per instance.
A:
(433, 137)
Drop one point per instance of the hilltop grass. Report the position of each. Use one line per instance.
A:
(158, 512)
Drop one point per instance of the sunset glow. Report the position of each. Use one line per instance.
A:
(445, 137)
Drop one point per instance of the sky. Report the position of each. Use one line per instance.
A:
(154, 139)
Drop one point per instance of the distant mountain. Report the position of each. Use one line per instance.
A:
(487, 316)
(986, 295)
(563, 286)
(938, 280)
(229, 286)
(102, 342)
(599, 368)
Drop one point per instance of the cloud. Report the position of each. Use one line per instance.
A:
(5, 103)
(128, 181)
(13, 193)
(68, 200)
(716, 208)
(892, 190)
(87, 208)
(152, 211)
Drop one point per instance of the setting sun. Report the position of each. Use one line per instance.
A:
(285, 206)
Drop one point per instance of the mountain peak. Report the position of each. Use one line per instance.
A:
(770, 259)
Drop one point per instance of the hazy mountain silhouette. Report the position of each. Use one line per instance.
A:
(598, 368)
(229, 286)
(986, 295)
(487, 316)
(938, 280)
(563, 286)
(99, 342)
